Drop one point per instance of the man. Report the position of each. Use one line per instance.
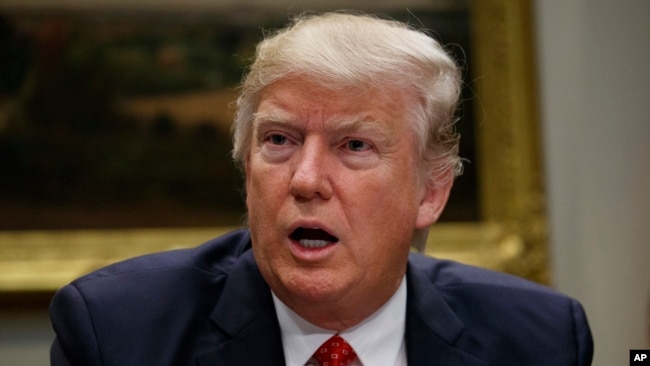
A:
(344, 130)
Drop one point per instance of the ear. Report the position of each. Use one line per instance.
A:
(433, 201)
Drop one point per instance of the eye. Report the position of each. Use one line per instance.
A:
(276, 139)
(357, 145)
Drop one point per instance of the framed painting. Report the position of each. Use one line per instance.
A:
(114, 134)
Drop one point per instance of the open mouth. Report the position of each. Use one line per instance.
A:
(312, 237)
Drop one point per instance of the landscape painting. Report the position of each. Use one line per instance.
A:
(120, 118)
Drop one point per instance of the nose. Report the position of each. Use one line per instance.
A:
(311, 174)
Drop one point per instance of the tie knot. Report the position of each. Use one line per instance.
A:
(335, 352)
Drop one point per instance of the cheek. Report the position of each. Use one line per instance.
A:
(255, 175)
(386, 209)
(257, 198)
(265, 188)
(394, 193)
(253, 193)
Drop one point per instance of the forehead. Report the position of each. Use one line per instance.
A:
(300, 100)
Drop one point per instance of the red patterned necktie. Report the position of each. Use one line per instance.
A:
(335, 352)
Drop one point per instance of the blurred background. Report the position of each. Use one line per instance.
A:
(115, 114)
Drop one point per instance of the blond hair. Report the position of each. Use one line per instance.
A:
(342, 50)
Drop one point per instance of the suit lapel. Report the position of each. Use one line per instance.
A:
(249, 334)
(432, 327)
(245, 314)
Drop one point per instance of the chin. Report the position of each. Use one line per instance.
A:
(313, 285)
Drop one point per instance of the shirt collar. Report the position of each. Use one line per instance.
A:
(383, 330)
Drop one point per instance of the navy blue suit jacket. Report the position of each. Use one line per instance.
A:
(210, 306)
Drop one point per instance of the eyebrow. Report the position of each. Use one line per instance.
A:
(350, 124)
(357, 124)
(278, 117)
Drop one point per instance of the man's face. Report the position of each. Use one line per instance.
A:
(333, 195)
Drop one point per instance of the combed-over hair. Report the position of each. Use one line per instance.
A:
(342, 50)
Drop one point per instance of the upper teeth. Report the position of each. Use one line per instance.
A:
(313, 243)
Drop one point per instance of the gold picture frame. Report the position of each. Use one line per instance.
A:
(510, 236)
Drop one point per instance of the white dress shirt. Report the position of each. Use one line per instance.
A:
(378, 340)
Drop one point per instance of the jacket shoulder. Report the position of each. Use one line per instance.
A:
(214, 257)
(503, 312)
(129, 311)
(448, 275)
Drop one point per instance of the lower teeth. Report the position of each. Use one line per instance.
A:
(311, 243)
